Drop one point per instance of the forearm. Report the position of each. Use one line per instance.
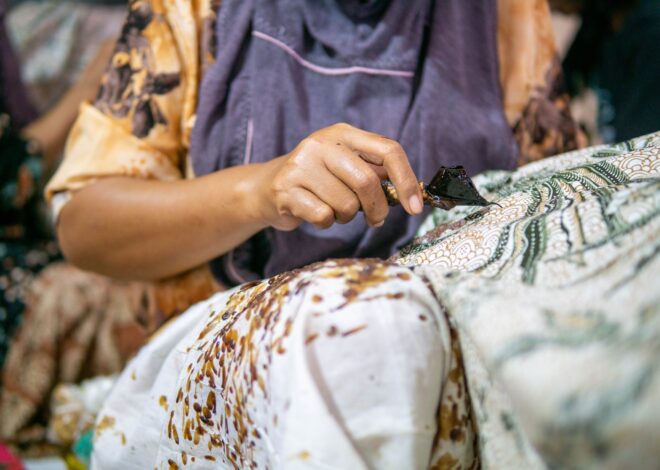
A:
(51, 129)
(135, 229)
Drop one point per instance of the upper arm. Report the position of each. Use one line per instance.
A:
(533, 95)
(139, 123)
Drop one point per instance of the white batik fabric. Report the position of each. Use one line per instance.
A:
(340, 365)
(518, 336)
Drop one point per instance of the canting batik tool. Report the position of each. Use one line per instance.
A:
(450, 187)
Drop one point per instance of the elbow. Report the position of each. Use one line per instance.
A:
(83, 249)
(82, 235)
(73, 244)
(78, 236)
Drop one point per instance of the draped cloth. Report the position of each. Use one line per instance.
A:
(518, 336)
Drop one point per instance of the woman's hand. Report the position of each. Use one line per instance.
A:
(325, 179)
(333, 173)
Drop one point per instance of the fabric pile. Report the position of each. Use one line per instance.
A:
(536, 347)
(518, 335)
(554, 298)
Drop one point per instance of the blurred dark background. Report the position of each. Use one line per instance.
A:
(612, 50)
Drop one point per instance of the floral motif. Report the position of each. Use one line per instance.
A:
(554, 301)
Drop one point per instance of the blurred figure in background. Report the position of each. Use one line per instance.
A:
(56, 40)
(57, 323)
(30, 147)
(615, 53)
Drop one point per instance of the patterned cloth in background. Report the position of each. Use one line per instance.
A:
(58, 323)
(25, 247)
(26, 239)
(79, 325)
(537, 349)
(21, 262)
(26, 244)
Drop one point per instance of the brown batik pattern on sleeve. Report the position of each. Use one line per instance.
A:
(546, 126)
(131, 82)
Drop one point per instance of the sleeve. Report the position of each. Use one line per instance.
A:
(535, 101)
(139, 122)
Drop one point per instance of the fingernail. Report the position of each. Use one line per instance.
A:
(379, 224)
(416, 204)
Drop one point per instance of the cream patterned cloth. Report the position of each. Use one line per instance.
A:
(519, 337)
(556, 303)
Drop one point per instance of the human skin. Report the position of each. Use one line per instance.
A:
(130, 228)
(52, 128)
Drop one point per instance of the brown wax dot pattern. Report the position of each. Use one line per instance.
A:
(107, 424)
(216, 411)
(456, 441)
(162, 401)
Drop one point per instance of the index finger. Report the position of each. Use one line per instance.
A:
(389, 154)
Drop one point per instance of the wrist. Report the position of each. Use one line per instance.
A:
(247, 194)
(260, 197)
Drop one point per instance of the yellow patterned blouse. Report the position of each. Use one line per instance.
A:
(141, 121)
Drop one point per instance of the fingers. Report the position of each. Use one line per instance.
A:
(381, 151)
(334, 172)
(305, 205)
(334, 193)
(362, 180)
(379, 170)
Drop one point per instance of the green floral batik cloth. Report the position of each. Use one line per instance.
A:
(518, 336)
(555, 298)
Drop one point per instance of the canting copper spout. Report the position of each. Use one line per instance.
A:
(450, 187)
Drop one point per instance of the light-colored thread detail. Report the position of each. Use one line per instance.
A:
(248, 142)
(327, 70)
